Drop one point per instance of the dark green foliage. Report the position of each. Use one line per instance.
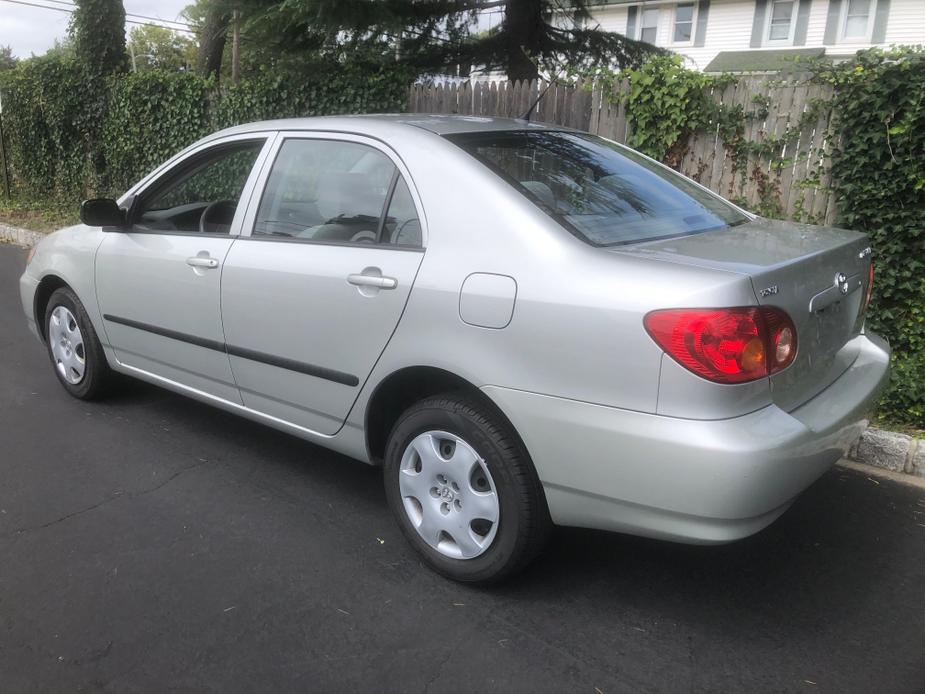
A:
(439, 35)
(7, 59)
(52, 116)
(152, 116)
(72, 134)
(347, 87)
(878, 171)
(98, 28)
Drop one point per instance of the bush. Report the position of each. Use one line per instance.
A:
(52, 115)
(152, 115)
(71, 134)
(878, 172)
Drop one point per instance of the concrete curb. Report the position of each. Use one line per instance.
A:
(891, 451)
(21, 237)
(887, 450)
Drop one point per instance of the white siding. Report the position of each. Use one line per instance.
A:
(905, 26)
(611, 18)
(907, 23)
(729, 27)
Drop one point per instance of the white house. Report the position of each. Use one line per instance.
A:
(759, 35)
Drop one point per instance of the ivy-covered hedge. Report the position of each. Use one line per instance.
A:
(71, 134)
(52, 113)
(150, 117)
(878, 172)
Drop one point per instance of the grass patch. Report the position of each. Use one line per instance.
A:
(38, 215)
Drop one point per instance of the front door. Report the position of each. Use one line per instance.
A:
(158, 282)
(312, 294)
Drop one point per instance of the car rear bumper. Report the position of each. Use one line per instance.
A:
(690, 480)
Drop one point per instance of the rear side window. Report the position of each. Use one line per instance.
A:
(605, 194)
(326, 190)
(401, 226)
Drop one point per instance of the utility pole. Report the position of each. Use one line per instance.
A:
(235, 47)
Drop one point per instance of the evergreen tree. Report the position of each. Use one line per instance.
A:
(434, 35)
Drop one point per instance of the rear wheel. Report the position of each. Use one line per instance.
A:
(75, 351)
(463, 490)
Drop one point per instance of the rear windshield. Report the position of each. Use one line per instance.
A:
(603, 193)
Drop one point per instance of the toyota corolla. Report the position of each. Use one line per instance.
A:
(523, 324)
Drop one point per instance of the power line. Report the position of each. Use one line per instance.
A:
(127, 21)
(67, 3)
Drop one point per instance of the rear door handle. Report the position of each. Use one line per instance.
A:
(200, 261)
(373, 281)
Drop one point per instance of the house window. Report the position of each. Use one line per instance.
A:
(684, 22)
(648, 25)
(856, 21)
(780, 21)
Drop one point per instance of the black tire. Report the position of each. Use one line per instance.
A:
(524, 517)
(97, 376)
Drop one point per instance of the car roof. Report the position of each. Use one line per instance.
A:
(439, 124)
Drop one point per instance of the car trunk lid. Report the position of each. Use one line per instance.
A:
(818, 275)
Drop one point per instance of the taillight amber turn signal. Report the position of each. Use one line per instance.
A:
(726, 345)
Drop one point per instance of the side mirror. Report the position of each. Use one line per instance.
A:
(101, 212)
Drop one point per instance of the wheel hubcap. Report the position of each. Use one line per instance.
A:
(449, 495)
(67, 345)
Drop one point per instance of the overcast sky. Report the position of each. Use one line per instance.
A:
(31, 30)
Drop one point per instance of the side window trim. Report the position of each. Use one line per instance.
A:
(159, 175)
(396, 175)
(260, 183)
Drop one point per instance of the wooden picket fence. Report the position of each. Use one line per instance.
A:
(793, 183)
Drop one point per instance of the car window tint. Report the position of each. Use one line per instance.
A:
(325, 190)
(402, 226)
(202, 194)
(603, 193)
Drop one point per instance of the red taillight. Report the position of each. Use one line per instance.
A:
(726, 345)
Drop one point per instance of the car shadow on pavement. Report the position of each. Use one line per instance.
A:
(821, 555)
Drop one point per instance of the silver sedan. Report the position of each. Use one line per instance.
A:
(524, 325)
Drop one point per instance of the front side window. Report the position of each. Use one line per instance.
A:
(780, 25)
(648, 25)
(684, 23)
(201, 194)
(603, 193)
(856, 26)
(336, 192)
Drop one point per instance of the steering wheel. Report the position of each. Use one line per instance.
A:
(221, 210)
(364, 236)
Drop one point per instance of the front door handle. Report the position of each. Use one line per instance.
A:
(201, 261)
(376, 281)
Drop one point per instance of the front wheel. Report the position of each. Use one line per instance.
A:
(463, 490)
(75, 350)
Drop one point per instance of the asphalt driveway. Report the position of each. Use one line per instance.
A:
(152, 544)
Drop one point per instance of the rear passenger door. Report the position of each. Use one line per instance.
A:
(316, 284)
